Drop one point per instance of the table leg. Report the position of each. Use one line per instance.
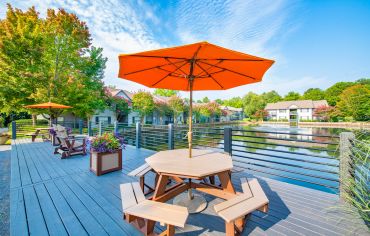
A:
(226, 183)
(161, 186)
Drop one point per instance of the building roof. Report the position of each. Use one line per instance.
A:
(298, 104)
(231, 108)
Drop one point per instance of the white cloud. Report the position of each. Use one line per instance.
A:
(121, 27)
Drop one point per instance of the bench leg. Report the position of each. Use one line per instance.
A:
(142, 183)
(170, 231)
(230, 229)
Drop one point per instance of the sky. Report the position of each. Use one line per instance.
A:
(315, 43)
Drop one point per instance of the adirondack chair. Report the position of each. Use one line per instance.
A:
(68, 145)
(236, 210)
(143, 213)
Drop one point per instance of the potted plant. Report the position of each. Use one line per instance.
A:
(106, 153)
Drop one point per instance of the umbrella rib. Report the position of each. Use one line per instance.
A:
(209, 75)
(230, 59)
(154, 67)
(208, 69)
(174, 65)
(169, 74)
(229, 70)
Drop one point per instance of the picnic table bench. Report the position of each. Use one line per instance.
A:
(235, 210)
(143, 213)
(37, 133)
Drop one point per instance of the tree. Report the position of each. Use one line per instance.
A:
(261, 114)
(119, 105)
(332, 93)
(271, 97)
(234, 102)
(143, 103)
(163, 110)
(325, 113)
(49, 59)
(210, 110)
(165, 92)
(219, 101)
(313, 94)
(205, 100)
(176, 104)
(251, 103)
(21, 59)
(355, 102)
(292, 96)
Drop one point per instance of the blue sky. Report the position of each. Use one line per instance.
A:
(315, 43)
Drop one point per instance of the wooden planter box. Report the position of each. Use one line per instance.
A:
(102, 163)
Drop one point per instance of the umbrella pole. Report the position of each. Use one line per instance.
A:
(190, 133)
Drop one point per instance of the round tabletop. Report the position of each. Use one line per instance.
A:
(177, 162)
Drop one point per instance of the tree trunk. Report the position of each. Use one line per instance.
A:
(34, 120)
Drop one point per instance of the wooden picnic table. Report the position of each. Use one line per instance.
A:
(190, 173)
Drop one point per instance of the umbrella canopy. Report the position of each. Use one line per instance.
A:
(198, 66)
(49, 105)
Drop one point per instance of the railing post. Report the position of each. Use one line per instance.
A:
(346, 168)
(14, 130)
(171, 137)
(89, 129)
(138, 134)
(80, 126)
(115, 129)
(228, 140)
(100, 127)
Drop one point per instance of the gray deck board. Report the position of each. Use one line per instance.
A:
(50, 196)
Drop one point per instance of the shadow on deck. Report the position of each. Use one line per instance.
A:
(50, 196)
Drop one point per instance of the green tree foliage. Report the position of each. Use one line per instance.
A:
(177, 106)
(118, 105)
(210, 110)
(163, 110)
(143, 103)
(292, 96)
(333, 92)
(205, 100)
(165, 92)
(21, 59)
(49, 59)
(234, 102)
(355, 102)
(219, 101)
(251, 103)
(271, 97)
(313, 94)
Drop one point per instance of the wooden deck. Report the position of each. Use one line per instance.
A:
(50, 196)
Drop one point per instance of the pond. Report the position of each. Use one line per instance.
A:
(299, 155)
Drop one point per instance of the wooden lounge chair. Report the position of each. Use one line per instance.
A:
(69, 146)
(143, 213)
(140, 172)
(235, 211)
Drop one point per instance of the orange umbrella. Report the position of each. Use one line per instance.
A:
(198, 66)
(48, 105)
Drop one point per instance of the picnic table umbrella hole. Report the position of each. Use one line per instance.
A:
(193, 67)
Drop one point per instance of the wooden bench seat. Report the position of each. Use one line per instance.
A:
(143, 213)
(235, 210)
(140, 173)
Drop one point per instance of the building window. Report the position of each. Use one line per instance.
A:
(282, 111)
(305, 110)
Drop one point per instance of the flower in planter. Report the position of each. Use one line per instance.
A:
(107, 142)
(52, 131)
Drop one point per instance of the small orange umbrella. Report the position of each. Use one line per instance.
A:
(48, 105)
(198, 66)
